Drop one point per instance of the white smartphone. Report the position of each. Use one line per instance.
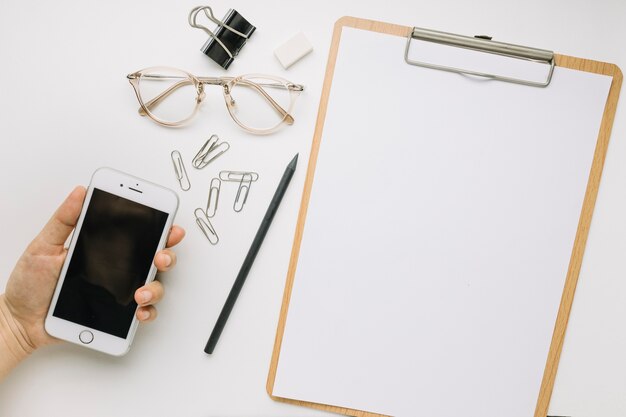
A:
(124, 222)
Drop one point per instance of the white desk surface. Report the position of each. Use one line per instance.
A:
(66, 109)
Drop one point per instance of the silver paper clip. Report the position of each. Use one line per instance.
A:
(237, 176)
(214, 197)
(209, 152)
(242, 192)
(205, 225)
(181, 172)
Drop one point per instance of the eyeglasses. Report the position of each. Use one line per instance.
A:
(260, 104)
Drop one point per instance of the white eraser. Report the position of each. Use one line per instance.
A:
(292, 50)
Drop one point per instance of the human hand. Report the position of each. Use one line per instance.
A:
(32, 282)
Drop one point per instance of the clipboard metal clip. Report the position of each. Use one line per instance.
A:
(481, 44)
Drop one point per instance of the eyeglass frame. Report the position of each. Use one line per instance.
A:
(226, 83)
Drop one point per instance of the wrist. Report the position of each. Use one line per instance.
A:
(14, 343)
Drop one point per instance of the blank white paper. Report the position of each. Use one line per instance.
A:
(438, 236)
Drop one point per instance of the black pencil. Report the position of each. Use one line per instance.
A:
(252, 252)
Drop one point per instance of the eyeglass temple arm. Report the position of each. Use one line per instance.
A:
(224, 80)
(158, 99)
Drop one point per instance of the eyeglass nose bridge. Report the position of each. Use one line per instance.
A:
(200, 92)
(230, 102)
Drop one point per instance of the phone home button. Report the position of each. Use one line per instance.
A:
(86, 337)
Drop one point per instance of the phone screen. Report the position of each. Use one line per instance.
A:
(111, 260)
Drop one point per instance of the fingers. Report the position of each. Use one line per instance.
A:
(152, 293)
(59, 227)
(149, 294)
(146, 296)
(146, 314)
(177, 234)
(165, 260)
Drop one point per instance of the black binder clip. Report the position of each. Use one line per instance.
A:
(230, 35)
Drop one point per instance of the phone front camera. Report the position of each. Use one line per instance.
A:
(121, 185)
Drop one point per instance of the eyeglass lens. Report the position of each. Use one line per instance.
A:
(170, 95)
(259, 102)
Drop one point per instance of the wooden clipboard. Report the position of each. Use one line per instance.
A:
(577, 253)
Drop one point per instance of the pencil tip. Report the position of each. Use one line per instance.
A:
(294, 161)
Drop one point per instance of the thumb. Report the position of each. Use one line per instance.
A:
(63, 221)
